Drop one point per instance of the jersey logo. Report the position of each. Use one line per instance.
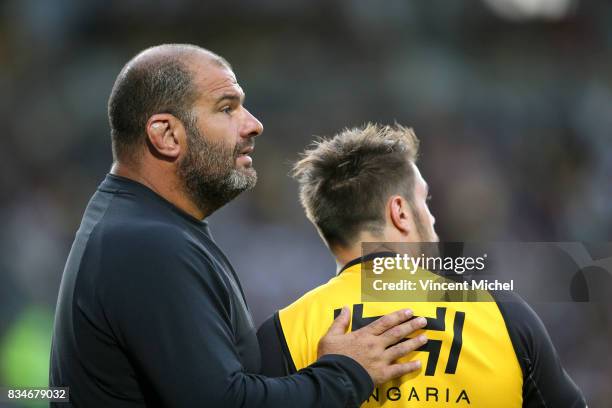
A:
(433, 347)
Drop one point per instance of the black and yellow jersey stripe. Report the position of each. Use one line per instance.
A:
(493, 353)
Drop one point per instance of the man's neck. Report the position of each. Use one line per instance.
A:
(164, 186)
(345, 255)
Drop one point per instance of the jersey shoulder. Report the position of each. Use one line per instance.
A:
(546, 383)
(525, 328)
(339, 289)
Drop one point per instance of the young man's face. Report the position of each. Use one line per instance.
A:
(423, 220)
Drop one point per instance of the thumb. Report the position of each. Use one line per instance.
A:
(340, 324)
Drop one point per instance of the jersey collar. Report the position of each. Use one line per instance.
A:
(366, 258)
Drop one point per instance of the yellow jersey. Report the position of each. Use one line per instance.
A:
(479, 354)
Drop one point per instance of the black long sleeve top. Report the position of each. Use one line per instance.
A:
(151, 313)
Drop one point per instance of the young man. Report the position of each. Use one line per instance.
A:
(363, 186)
(150, 311)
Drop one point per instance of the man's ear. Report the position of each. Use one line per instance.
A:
(399, 213)
(166, 135)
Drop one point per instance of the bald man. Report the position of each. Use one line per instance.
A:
(150, 311)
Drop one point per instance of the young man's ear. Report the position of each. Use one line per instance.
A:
(399, 213)
(166, 135)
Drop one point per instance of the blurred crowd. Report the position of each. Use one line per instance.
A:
(513, 108)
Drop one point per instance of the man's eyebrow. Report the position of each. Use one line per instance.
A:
(230, 96)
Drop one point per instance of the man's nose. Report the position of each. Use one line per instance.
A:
(252, 126)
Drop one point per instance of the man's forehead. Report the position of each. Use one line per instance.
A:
(215, 80)
(420, 181)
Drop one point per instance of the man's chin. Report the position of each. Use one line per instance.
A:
(244, 178)
(248, 171)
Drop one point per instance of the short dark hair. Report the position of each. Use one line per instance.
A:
(345, 181)
(157, 80)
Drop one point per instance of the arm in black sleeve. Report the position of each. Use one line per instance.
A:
(167, 309)
(276, 359)
(545, 381)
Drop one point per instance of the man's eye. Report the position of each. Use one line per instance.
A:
(227, 109)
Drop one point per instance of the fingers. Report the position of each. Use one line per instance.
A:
(397, 333)
(405, 347)
(388, 321)
(397, 370)
(340, 324)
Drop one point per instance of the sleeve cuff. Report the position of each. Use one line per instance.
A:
(357, 375)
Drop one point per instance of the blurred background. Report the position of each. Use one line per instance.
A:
(512, 101)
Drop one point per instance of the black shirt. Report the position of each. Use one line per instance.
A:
(151, 313)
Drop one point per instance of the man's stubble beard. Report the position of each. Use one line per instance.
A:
(208, 171)
(428, 241)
